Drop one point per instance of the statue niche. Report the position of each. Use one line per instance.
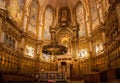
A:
(64, 17)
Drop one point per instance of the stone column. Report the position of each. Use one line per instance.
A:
(25, 15)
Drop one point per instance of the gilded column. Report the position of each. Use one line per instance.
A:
(90, 43)
(75, 41)
(25, 15)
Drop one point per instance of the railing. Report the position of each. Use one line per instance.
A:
(52, 75)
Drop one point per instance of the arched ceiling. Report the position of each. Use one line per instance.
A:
(57, 4)
(20, 10)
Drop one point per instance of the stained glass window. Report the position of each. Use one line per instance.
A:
(15, 9)
(94, 14)
(80, 20)
(33, 16)
(48, 22)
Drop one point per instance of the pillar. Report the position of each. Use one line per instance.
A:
(75, 41)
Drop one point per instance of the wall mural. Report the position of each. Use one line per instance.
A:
(48, 22)
(94, 14)
(14, 8)
(33, 16)
(80, 20)
(2, 4)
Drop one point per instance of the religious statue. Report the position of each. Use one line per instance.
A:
(64, 18)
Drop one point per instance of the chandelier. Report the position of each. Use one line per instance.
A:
(54, 48)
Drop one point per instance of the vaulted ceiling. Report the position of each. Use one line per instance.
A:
(35, 16)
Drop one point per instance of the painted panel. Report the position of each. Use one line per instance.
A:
(29, 51)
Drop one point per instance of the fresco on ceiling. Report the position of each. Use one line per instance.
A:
(94, 14)
(48, 22)
(33, 17)
(14, 8)
(2, 4)
(80, 20)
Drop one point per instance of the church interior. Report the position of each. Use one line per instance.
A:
(59, 41)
